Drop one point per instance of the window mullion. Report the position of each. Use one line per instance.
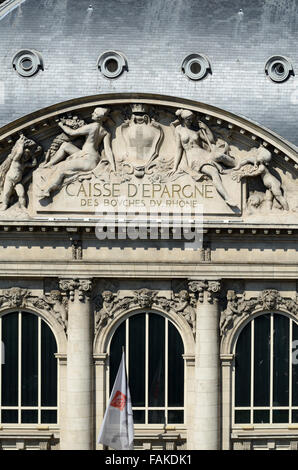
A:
(252, 370)
(166, 369)
(146, 366)
(127, 346)
(19, 367)
(1, 360)
(271, 365)
(39, 370)
(290, 370)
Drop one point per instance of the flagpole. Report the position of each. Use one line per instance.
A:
(117, 429)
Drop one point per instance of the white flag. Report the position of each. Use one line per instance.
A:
(117, 427)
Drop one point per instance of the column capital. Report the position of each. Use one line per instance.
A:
(83, 286)
(206, 290)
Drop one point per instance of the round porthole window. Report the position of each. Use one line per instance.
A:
(279, 68)
(196, 66)
(27, 62)
(112, 64)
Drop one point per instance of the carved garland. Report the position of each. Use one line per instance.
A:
(238, 306)
(109, 304)
(54, 302)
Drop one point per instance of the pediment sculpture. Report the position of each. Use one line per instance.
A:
(157, 155)
(142, 136)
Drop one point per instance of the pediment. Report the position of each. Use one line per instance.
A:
(78, 159)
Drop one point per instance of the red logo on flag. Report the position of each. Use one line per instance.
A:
(119, 401)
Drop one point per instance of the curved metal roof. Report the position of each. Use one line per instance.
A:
(155, 37)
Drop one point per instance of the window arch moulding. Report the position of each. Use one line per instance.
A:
(111, 309)
(241, 310)
(49, 307)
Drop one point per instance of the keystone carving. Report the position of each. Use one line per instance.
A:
(269, 299)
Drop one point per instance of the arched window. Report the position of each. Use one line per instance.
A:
(266, 371)
(155, 366)
(28, 379)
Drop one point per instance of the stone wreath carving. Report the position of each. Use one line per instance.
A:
(238, 306)
(108, 305)
(53, 302)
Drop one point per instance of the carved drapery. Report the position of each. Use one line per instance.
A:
(53, 302)
(240, 307)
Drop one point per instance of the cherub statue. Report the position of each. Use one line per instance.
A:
(256, 164)
(183, 305)
(232, 310)
(23, 155)
(59, 306)
(108, 303)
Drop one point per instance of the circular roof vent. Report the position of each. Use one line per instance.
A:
(196, 66)
(112, 64)
(278, 68)
(27, 62)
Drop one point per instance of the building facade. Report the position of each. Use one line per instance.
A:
(149, 200)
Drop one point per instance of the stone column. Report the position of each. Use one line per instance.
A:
(206, 410)
(226, 369)
(78, 431)
(100, 391)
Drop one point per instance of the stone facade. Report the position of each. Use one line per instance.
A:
(69, 171)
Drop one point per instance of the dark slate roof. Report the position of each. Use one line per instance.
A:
(155, 36)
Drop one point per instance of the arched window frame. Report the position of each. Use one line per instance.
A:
(101, 357)
(147, 408)
(61, 343)
(271, 407)
(227, 358)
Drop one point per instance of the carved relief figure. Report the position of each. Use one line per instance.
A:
(59, 306)
(23, 155)
(61, 139)
(183, 305)
(203, 155)
(69, 159)
(232, 310)
(109, 301)
(142, 136)
(256, 164)
(145, 297)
